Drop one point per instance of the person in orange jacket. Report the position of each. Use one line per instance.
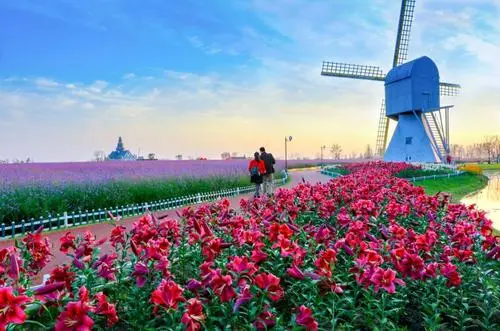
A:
(257, 170)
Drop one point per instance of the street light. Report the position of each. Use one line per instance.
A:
(287, 139)
(322, 149)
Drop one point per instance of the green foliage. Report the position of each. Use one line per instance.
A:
(28, 202)
(340, 170)
(412, 172)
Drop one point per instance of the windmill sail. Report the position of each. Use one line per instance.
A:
(404, 29)
(383, 128)
(355, 71)
(448, 89)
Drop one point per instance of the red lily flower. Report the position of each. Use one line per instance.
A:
(193, 317)
(117, 235)
(241, 265)
(211, 248)
(11, 307)
(75, 316)
(325, 261)
(265, 320)
(67, 241)
(412, 265)
(156, 249)
(305, 318)
(103, 307)
(276, 230)
(140, 272)
(167, 295)
(295, 272)
(222, 286)
(62, 274)
(258, 254)
(270, 283)
(39, 250)
(450, 272)
(163, 265)
(464, 255)
(385, 279)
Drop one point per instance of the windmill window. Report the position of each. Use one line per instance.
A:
(408, 140)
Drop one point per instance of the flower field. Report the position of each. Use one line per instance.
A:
(364, 251)
(39, 189)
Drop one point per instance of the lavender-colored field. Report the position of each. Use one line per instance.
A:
(95, 172)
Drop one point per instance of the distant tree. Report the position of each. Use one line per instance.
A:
(368, 152)
(335, 150)
(151, 156)
(457, 151)
(488, 147)
(234, 154)
(491, 147)
(99, 156)
(496, 148)
(225, 156)
(178, 157)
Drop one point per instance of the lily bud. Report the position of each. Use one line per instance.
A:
(78, 264)
(14, 267)
(47, 289)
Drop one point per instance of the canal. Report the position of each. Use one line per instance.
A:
(488, 199)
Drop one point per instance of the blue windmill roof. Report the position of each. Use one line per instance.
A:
(418, 66)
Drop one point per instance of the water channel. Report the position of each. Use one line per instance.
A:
(488, 199)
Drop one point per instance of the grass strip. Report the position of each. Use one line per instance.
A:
(457, 186)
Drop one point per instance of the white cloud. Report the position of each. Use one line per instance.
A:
(45, 82)
(209, 49)
(129, 76)
(88, 105)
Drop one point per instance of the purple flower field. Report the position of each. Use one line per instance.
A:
(38, 189)
(98, 172)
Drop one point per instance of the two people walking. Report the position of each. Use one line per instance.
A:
(261, 170)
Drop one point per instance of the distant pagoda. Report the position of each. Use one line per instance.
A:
(120, 153)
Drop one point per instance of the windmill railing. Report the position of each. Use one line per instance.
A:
(74, 219)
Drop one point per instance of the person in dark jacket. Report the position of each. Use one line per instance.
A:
(269, 162)
(257, 169)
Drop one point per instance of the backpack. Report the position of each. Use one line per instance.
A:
(254, 171)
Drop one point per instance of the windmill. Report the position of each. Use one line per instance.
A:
(435, 125)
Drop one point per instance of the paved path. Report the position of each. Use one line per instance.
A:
(103, 229)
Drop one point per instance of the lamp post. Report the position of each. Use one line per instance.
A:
(287, 139)
(322, 149)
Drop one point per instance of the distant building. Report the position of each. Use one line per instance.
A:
(120, 153)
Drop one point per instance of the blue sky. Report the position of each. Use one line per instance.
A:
(202, 77)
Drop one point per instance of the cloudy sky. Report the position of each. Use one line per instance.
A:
(203, 77)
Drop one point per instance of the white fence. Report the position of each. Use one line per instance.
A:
(102, 215)
(334, 174)
(435, 166)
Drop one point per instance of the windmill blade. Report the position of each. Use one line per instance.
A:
(448, 89)
(355, 71)
(383, 131)
(404, 29)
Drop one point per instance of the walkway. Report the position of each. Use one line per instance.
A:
(103, 229)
